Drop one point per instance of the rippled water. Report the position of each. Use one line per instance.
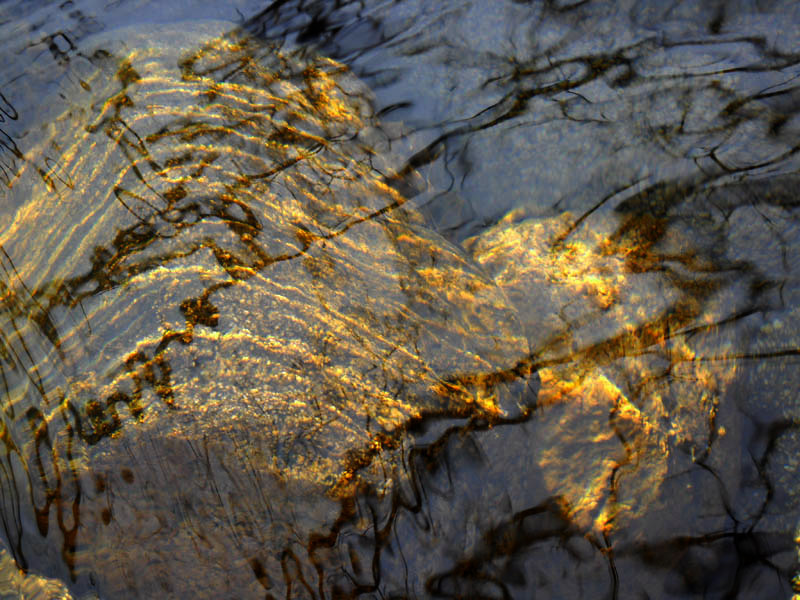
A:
(399, 299)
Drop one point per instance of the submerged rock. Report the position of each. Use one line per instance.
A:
(631, 372)
(218, 317)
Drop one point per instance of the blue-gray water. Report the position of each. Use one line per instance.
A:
(525, 326)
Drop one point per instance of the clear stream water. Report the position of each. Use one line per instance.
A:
(592, 389)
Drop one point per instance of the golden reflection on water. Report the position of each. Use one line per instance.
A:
(218, 318)
(613, 329)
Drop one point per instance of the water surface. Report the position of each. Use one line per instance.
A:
(502, 304)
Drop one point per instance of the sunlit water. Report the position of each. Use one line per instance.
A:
(399, 299)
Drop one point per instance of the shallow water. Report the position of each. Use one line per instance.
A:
(523, 323)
